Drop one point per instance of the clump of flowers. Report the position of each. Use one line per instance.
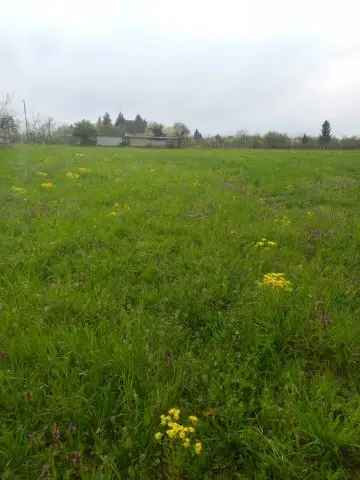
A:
(179, 433)
(47, 185)
(277, 281)
(264, 243)
(73, 175)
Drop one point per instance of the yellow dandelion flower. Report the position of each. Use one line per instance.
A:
(175, 413)
(186, 443)
(47, 185)
(113, 214)
(198, 447)
(158, 436)
(164, 419)
(276, 280)
(193, 419)
(171, 433)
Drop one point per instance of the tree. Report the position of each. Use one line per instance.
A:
(8, 124)
(197, 135)
(218, 140)
(106, 121)
(155, 129)
(180, 129)
(86, 131)
(242, 138)
(325, 136)
(140, 124)
(120, 120)
(277, 140)
(305, 139)
(63, 134)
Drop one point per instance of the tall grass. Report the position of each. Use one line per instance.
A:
(134, 285)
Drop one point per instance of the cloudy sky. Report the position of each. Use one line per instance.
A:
(218, 66)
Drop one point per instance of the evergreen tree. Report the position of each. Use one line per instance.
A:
(107, 120)
(139, 124)
(305, 139)
(197, 135)
(325, 136)
(120, 120)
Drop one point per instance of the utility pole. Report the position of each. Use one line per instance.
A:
(26, 121)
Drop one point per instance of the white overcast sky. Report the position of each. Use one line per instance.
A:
(218, 66)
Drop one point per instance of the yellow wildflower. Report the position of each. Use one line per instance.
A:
(47, 185)
(198, 447)
(276, 280)
(193, 419)
(171, 433)
(42, 174)
(158, 436)
(265, 243)
(112, 214)
(175, 413)
(186, 443)
(164, 419)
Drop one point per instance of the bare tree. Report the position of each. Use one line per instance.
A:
(8, 124)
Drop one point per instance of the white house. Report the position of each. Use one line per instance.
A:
(156, 142)
(105, 141)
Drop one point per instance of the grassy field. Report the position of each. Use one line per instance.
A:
(133, 282)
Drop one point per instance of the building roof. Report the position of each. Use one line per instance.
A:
(150, 137)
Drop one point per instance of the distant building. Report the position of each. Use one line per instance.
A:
(146, 141)
(107, 141)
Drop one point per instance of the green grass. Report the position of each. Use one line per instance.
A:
(107, 320)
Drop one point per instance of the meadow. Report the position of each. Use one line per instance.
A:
(220, 285)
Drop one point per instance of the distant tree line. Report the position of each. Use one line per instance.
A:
(88, 132)
(273, 139)
(121, 126)
(44, 130)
